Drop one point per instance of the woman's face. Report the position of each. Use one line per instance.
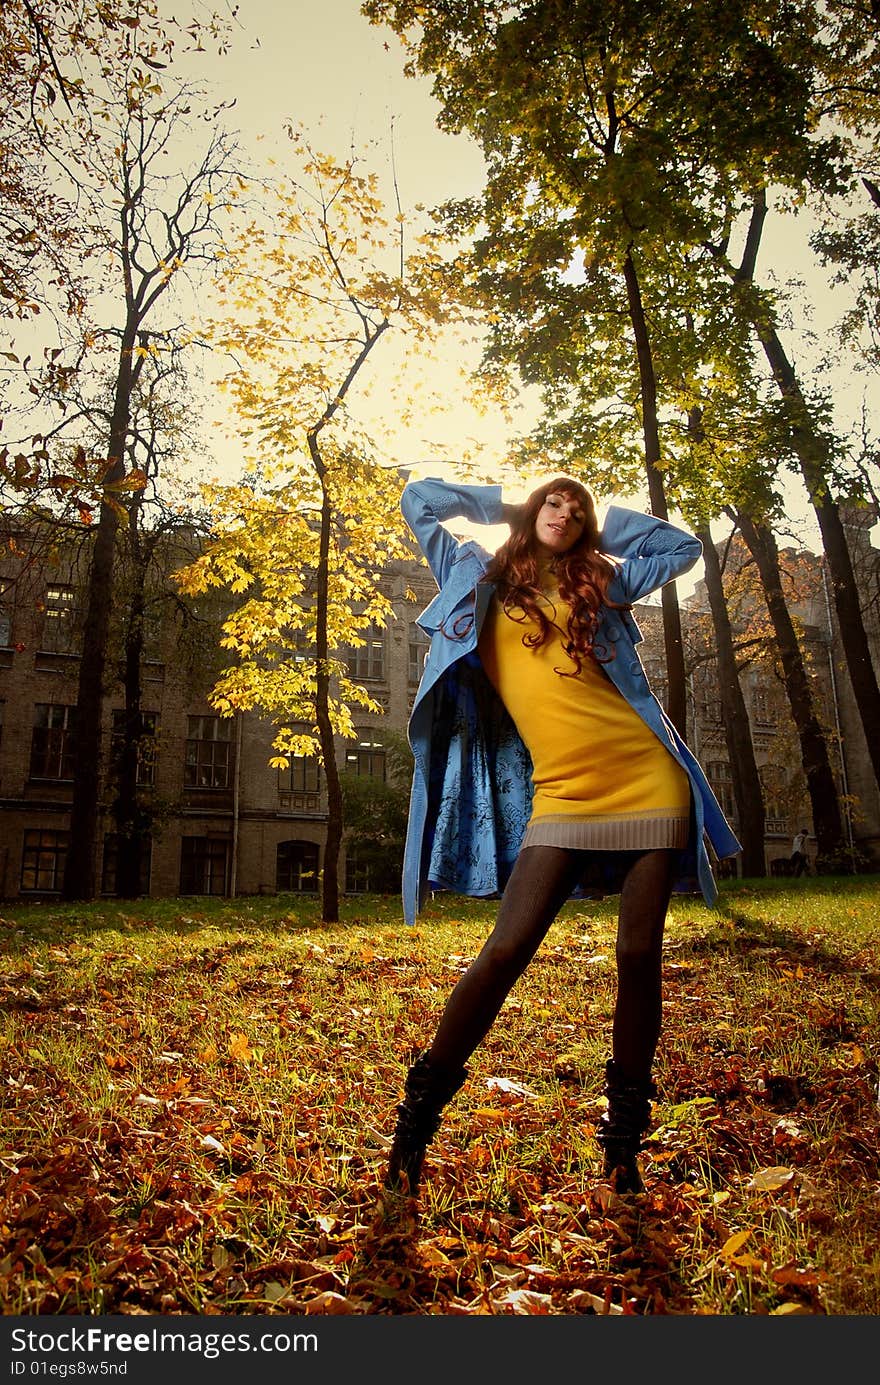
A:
(558, 524)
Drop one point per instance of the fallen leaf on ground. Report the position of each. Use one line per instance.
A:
(329, 1302)
(526, 1301)
(770, 1180)
(583, 1298)
(734, 1244)
(507, 1084)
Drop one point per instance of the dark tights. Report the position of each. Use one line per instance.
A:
(542, 880)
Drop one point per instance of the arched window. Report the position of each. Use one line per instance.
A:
(297, 867)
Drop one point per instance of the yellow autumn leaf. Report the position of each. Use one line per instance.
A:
(746, 1262)
(734, 1244)
(432, 1257)
(239, 1048)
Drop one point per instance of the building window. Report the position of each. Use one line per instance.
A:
(203, 865)
(721, 781)
(52, 741)
(655, 672)
(110, 859)
(371, 869)
(709, 711)
(369, 660)
(296, 867)
(762, 708)
(299, 786)
(357, 872)
(60, 622)
(773, 790)
(6, 592)
(302, 648)
(146, 766)
(301, 776)
(419, 644)
(154, 624)
(208, 762)
(707, 697)
(366, 757)
(42, 860)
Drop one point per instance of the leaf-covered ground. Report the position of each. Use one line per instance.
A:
(197, 1098)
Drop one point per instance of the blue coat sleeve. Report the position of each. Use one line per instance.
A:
(650, 551)
(427, 503)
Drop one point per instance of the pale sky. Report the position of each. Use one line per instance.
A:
(322, 65)
(327, 69)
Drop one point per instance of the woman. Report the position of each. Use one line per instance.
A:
(543, 763)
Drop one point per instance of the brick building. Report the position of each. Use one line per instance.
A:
(227, 823)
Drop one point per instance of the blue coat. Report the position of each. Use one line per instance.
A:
(472, 790)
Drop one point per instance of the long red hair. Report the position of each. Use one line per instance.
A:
(584, 574)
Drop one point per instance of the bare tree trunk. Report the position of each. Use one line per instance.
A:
(130, 822)
(333, 842)
(813, 454)
(79, 873)
(335, 805)
(827, 821)
(844, 588)
(676, 705)
(747, 790)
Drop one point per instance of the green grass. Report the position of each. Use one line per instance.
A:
(197, 1098)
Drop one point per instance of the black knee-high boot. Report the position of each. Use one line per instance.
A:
(427, 1090)
(621, 1128)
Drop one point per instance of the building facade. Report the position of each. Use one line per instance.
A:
(807, 586)
(224, 821)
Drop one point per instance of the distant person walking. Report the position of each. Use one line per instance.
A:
(799, 858)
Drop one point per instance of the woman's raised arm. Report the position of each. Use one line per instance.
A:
(651, 552)
(427, 503)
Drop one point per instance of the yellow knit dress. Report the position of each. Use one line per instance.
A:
(602, 779)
